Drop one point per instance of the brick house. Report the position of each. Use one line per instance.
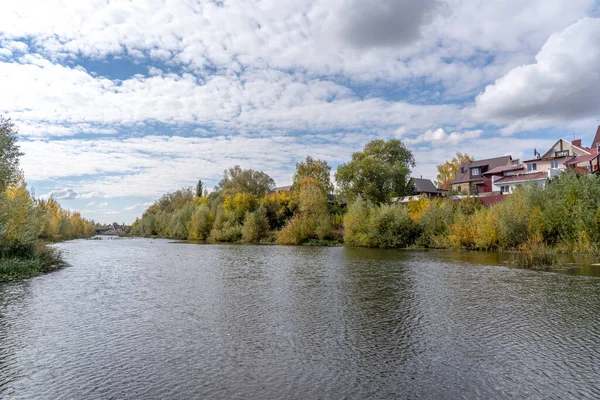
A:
(472, 177)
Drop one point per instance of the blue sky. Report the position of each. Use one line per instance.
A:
(118, 102)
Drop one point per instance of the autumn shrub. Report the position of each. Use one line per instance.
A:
(461, 233)
(279, 208)
(256, 226)
(485, 229)
(416, 208)
(298, 229)
(391, 226)
(236, 206)
(200, 223)
(356, 223)
(179, 221)
(324, 227)
(434, 222)
(230, 232)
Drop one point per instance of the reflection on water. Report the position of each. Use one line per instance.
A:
(151, 319)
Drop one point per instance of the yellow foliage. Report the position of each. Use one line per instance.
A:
(462, 233)
(416, 208)
(239, 204)
(485, 229)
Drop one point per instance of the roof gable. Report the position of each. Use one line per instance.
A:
(562, 145)
(424, 185)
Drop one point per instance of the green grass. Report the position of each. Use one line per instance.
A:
(536, 258)
(44, 259)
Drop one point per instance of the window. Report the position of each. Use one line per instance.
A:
(563, 153)
(505, 189)
(531, 167)
(554, 164)
(459, 189)
(475, 171)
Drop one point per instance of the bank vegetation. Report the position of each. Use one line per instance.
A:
(563, 217)
(28, 224)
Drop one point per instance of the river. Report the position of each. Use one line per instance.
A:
(151, 319)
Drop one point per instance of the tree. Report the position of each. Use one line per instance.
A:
(237, 180)
(448, 170)
(315, 169)
(9, 153)
(199, 188)
(378, 173)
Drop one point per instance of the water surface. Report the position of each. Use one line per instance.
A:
(138, 318)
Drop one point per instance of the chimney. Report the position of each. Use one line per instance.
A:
(576, 142)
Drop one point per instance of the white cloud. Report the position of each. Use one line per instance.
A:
(559, 87)
(61, 194)
(90, 204)
(112, 212)
(439, 137)
(288, 34)
(102, 205)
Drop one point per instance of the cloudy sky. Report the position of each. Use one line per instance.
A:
(118, 102)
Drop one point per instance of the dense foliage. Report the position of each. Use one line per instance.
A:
(25, 223)
(244, 207)
(564, 216)
(378, 173)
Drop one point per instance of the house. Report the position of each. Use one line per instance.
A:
(562, 155)
(557, 156)
(587, 163)
(472, 177)
(422, 188)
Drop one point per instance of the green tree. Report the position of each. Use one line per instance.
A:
(447, 171)
(315, 169)
(199, 188)
(9, 153)
(238, 180)
(378, 173)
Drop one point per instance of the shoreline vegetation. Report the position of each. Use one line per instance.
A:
(535, 224)
(28, 225)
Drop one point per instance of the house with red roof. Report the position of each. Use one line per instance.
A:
(561, 156)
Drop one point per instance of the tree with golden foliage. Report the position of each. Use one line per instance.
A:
(447, 171)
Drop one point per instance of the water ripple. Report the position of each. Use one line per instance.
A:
(151, 319)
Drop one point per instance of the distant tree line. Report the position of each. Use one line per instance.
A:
(244, 207)
(564, 216)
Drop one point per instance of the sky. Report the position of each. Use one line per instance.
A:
(119, 102)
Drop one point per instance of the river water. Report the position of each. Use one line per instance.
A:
(150, 319)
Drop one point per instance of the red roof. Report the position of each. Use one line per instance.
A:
(581, 158)
(503, 168)
(523, 177)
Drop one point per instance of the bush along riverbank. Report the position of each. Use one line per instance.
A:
(27, 224)
(534, 223)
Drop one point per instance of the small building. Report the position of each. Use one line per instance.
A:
(471, 176)
(422, 188)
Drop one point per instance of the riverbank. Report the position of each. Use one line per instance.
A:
(42, 259)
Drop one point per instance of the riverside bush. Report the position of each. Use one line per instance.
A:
(256, 226)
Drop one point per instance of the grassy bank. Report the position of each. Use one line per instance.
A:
(41, 260)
